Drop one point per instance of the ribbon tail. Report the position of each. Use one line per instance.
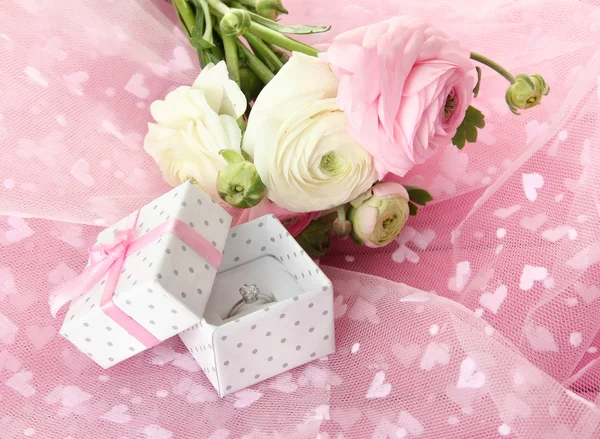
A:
(77, 286)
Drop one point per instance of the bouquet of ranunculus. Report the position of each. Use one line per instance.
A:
(325, 128)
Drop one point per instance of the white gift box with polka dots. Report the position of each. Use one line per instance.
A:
(164, 287)
(263, 340)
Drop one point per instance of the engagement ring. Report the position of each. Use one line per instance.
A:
(250, 294)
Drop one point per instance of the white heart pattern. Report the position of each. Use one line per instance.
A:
(245, 398)
(588, 294)
(533, 223)
(469, 378)
(531, 184)
(379, 388)
(136, 86)
(435, 353)
(463, 274)
(493, 301)
(530, 275)
(506, 212)
(540, 339)
(118, 414)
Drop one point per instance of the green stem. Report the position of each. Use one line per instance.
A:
(208, 30)
(494, 66)
(231, 57)
(255, 64)
(266, 34)
(280, 40)
(341, 213)
(264, 53)
(251, 3)
(186, 15)
(219, 7)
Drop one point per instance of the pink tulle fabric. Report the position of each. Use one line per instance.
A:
(497, 335)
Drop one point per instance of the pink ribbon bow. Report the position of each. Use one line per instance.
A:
(109, 258)
(113, 251)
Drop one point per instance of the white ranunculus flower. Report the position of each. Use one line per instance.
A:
(298, 137)
(193, 125)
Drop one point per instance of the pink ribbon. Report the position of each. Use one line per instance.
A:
(109, 258)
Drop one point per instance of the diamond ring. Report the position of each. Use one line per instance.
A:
(250, 294)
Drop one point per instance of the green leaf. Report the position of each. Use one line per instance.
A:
(467, 131)
(413, 209)
(300, 29)
(232, 156)
(476, 89)
(418, 196)
(246, 155)
(201, 36)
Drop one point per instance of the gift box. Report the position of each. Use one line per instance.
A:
(266, 339)
(163, 261)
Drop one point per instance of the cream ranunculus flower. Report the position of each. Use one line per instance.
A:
(193, 125)
(300, 143)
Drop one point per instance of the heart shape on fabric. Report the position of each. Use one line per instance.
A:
(540, 338)
(8, 330)
(588, 294)
(534, 129)
(19, 230)
(157, 432)
(194, 392)
(410, 424)
(35, 75)
(81, 171)
(533, 223)
(560, 232)
(469, 378)
(463, 274)
(339, 307)
(531, 184)
(493, 301)
(530, 275)
(21, 383)
(284, 383)
(435, 353)
(75, 82)
(40, 337)
(379, 388)
(136, 86)
(363, 311)
(9, 362)
(245, 398)
(118, 414)
(506, 212)
(406, 355)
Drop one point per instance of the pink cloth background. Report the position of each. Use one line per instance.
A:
(505, 346)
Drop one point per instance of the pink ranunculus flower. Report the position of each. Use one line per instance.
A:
(294, 222)
(405, 87)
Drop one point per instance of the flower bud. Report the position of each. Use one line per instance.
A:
(238, 184)
(236, 23)
(379, 216)
(316, 238)
(526, 92)
(341, 227)
(270, 9)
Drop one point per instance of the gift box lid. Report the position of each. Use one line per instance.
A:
(170, 253)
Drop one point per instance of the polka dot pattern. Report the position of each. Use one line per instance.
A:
(160, 286)
(263, 344)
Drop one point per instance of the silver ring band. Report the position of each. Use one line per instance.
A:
(250, 294)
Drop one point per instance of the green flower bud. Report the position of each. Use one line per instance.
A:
(236, 23)
(239, 184)
(526, 92)
(379, 216)
(270, 9)
(316, 238)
